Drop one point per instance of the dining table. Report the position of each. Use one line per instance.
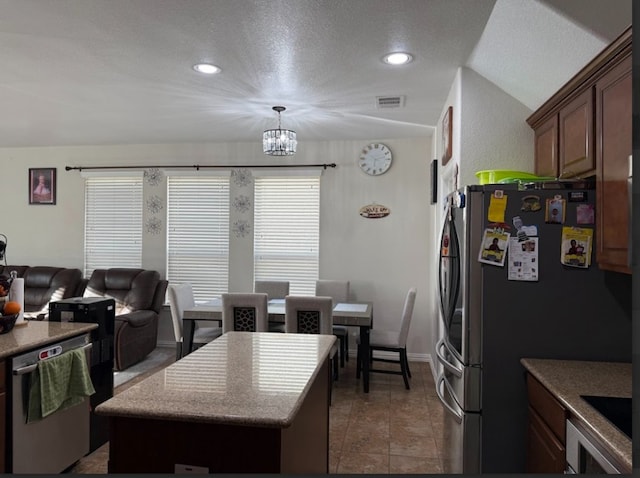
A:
(352, 314)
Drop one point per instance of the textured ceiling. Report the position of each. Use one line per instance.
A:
(79, 72)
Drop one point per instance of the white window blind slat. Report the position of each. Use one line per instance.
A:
(287, 231)
(113, 222)
(198, 233)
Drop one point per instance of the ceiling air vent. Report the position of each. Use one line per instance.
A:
(390, 101)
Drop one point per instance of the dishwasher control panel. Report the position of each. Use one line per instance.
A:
(49, 352)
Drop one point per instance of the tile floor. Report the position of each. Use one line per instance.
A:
(390, 430)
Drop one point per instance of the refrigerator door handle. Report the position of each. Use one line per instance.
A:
(457, 371)
(449, 408)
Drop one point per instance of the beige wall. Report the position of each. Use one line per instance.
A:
(381, 257)
(489, 132)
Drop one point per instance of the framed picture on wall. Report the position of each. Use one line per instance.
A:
(42, 185)
(447, 131)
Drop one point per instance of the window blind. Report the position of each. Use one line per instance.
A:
(113, 222)
(198, 233)
(287, 231)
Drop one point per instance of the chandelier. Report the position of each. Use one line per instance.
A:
(279, 142)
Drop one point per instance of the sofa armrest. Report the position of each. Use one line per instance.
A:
(159, 297)
(82, 285)
(137, 318)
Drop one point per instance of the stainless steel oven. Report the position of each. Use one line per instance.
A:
(585, 455)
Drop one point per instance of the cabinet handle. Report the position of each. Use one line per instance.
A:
(630, 216)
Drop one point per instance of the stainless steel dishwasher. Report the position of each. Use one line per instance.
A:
(57, 441)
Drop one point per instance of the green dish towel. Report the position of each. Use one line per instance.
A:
(59, 383)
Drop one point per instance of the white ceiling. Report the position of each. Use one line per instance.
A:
(79, 72)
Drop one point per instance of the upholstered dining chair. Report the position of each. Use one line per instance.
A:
(275, 289)
(391, 341)
(181, 298)
(244, 312)
(338, 290)
(310, 315)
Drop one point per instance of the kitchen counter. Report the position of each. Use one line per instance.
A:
(568, 379)
(246, 394)
(36, 333)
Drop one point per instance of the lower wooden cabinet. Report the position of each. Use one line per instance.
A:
(546, 430)
(545, 453)
(3, 418)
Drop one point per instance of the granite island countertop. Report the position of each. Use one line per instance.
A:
(568, 379)
(33, 334)
(240, 378)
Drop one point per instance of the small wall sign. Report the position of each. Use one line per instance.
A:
(374, 211)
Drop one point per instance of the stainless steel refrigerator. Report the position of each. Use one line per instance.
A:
(491, 321)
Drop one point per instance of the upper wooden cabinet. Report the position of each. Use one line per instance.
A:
(546, 144)
(614, 136)
(585, 131)
(575, 120)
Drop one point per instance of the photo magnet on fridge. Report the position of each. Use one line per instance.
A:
(555, 211)
(494, 247)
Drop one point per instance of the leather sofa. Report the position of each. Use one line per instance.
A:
(44, 284)
(139, 296)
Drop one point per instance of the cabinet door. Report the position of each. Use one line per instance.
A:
(614, 135)
(546, 144)
(545, 453)
(3, 418)
(576, 156)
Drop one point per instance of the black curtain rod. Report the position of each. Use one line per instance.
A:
(204, 166)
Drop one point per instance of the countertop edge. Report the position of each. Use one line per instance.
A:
(550, 373)
(65, 330)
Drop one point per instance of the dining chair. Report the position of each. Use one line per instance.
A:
(181, 298)
(275, 289)
(391, 341)
(244, 312)
(310, 315)
(338, 290)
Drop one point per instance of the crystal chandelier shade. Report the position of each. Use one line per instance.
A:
(279, 142)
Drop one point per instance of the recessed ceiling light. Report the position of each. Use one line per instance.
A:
(206, 68)
(398, 58)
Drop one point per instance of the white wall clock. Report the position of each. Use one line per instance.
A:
(375, 159)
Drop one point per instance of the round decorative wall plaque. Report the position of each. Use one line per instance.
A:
(374, 211)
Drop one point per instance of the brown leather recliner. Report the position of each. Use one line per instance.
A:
(139, 295)
(44, 284)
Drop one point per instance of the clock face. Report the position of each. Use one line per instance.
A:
(375, 159)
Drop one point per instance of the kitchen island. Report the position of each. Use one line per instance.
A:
(246, 402)
(568, 380)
